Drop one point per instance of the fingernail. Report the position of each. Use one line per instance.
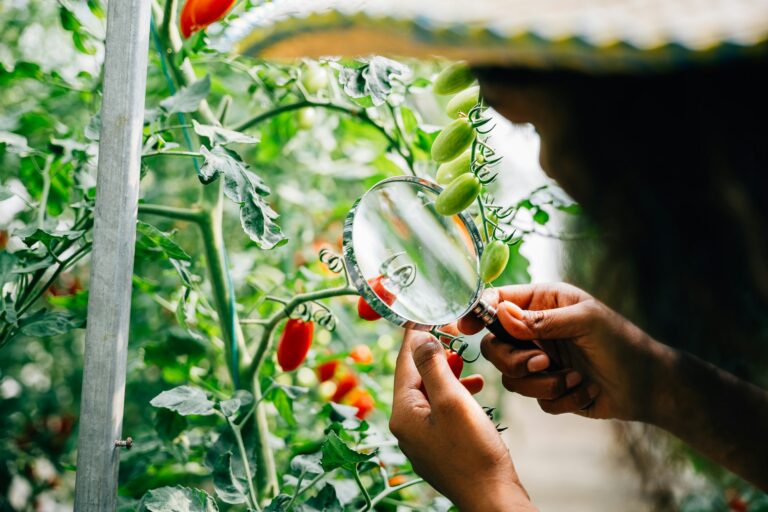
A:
(514, 310)
(538, 363)
(572, 379)
(593, 390)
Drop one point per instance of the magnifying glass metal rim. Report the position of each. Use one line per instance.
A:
(359, 282)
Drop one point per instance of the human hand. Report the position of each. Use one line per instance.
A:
(449, 439)
(608, 363)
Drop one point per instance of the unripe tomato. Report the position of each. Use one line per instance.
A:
(453, 140)
(361, 354)
(198, 14)
(364, 310)
(448, 171)
(494, 260)
(458, 195)
(456, 364)
(453, 79)
(306, 118)
(346, 383)
(326, 371)
(314, 78)
(463, 102)
(294, 343)
(363, 400)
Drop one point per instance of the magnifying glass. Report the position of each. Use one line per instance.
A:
(413, 266)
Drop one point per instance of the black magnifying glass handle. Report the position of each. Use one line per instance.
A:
(487, 314)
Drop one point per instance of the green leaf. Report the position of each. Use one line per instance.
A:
(246, 189)
(324, 501)
(46, 237)
(6, 193)
(372, 81)
(222, 136)
(278, 504)
(7, 264)
(152, 238)
(42, 324)
(188, 98)
(228, 488)
(177, 499)
(307, 463)
(169, 425)
(336, 454)
(185, 400)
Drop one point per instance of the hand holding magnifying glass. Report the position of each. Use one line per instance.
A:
(415, 267)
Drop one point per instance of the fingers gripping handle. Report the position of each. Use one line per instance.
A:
(487, 314)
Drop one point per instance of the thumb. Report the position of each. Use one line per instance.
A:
(432, 364)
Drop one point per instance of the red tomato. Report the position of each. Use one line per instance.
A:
(455, 362)
(346, 383)
(294, 343)
(363, 400)
(365, 311)
(198, 14)
(3, 238)
(326, 371)
(362, 354)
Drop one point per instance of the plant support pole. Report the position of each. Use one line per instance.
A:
(114, 236)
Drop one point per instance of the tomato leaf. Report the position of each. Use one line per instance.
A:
(185, 400)
(278, 503)
(228, 488)
(222, 136)
(246, 189)
(153, 239)
(175, 499)
(307, 464)
(42, 324)
(324, 501)
(371, 83)
(336, 454)
(188, 98)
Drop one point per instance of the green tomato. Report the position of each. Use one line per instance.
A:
(458, 195)
(463, 102)
(306, 118)
(453, 79)
(494, 260)
(448, 171)
(452, 141)
(314, 78)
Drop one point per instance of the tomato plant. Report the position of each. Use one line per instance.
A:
(248, 170)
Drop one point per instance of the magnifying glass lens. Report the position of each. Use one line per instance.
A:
(419, 267)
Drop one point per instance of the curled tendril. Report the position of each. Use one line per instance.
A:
(325, 319)
(302, 311)
(333, 261)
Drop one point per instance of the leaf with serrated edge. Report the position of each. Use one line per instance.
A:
(185, 400)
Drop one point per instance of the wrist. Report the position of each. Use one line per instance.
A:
(660, 400)
(504, 497)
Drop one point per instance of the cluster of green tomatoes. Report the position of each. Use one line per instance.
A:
(463, 158)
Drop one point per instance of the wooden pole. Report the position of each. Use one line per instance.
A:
(114, 236)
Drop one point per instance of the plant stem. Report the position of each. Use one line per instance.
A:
(485, 221)
(187, 214)
(391, 490)
(363, 490)
(46, 190)
(254, 499)
(283, 313)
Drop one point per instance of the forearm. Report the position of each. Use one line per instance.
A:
(506, 497)
(723, 417)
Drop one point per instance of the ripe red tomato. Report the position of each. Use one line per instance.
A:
(294, 343)
(737, 504)
(363, 400)
(362, 354)
(455, 362)
(198, 14)
(346, 383)
(365, 311)
(3, 238)
(326, 371)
